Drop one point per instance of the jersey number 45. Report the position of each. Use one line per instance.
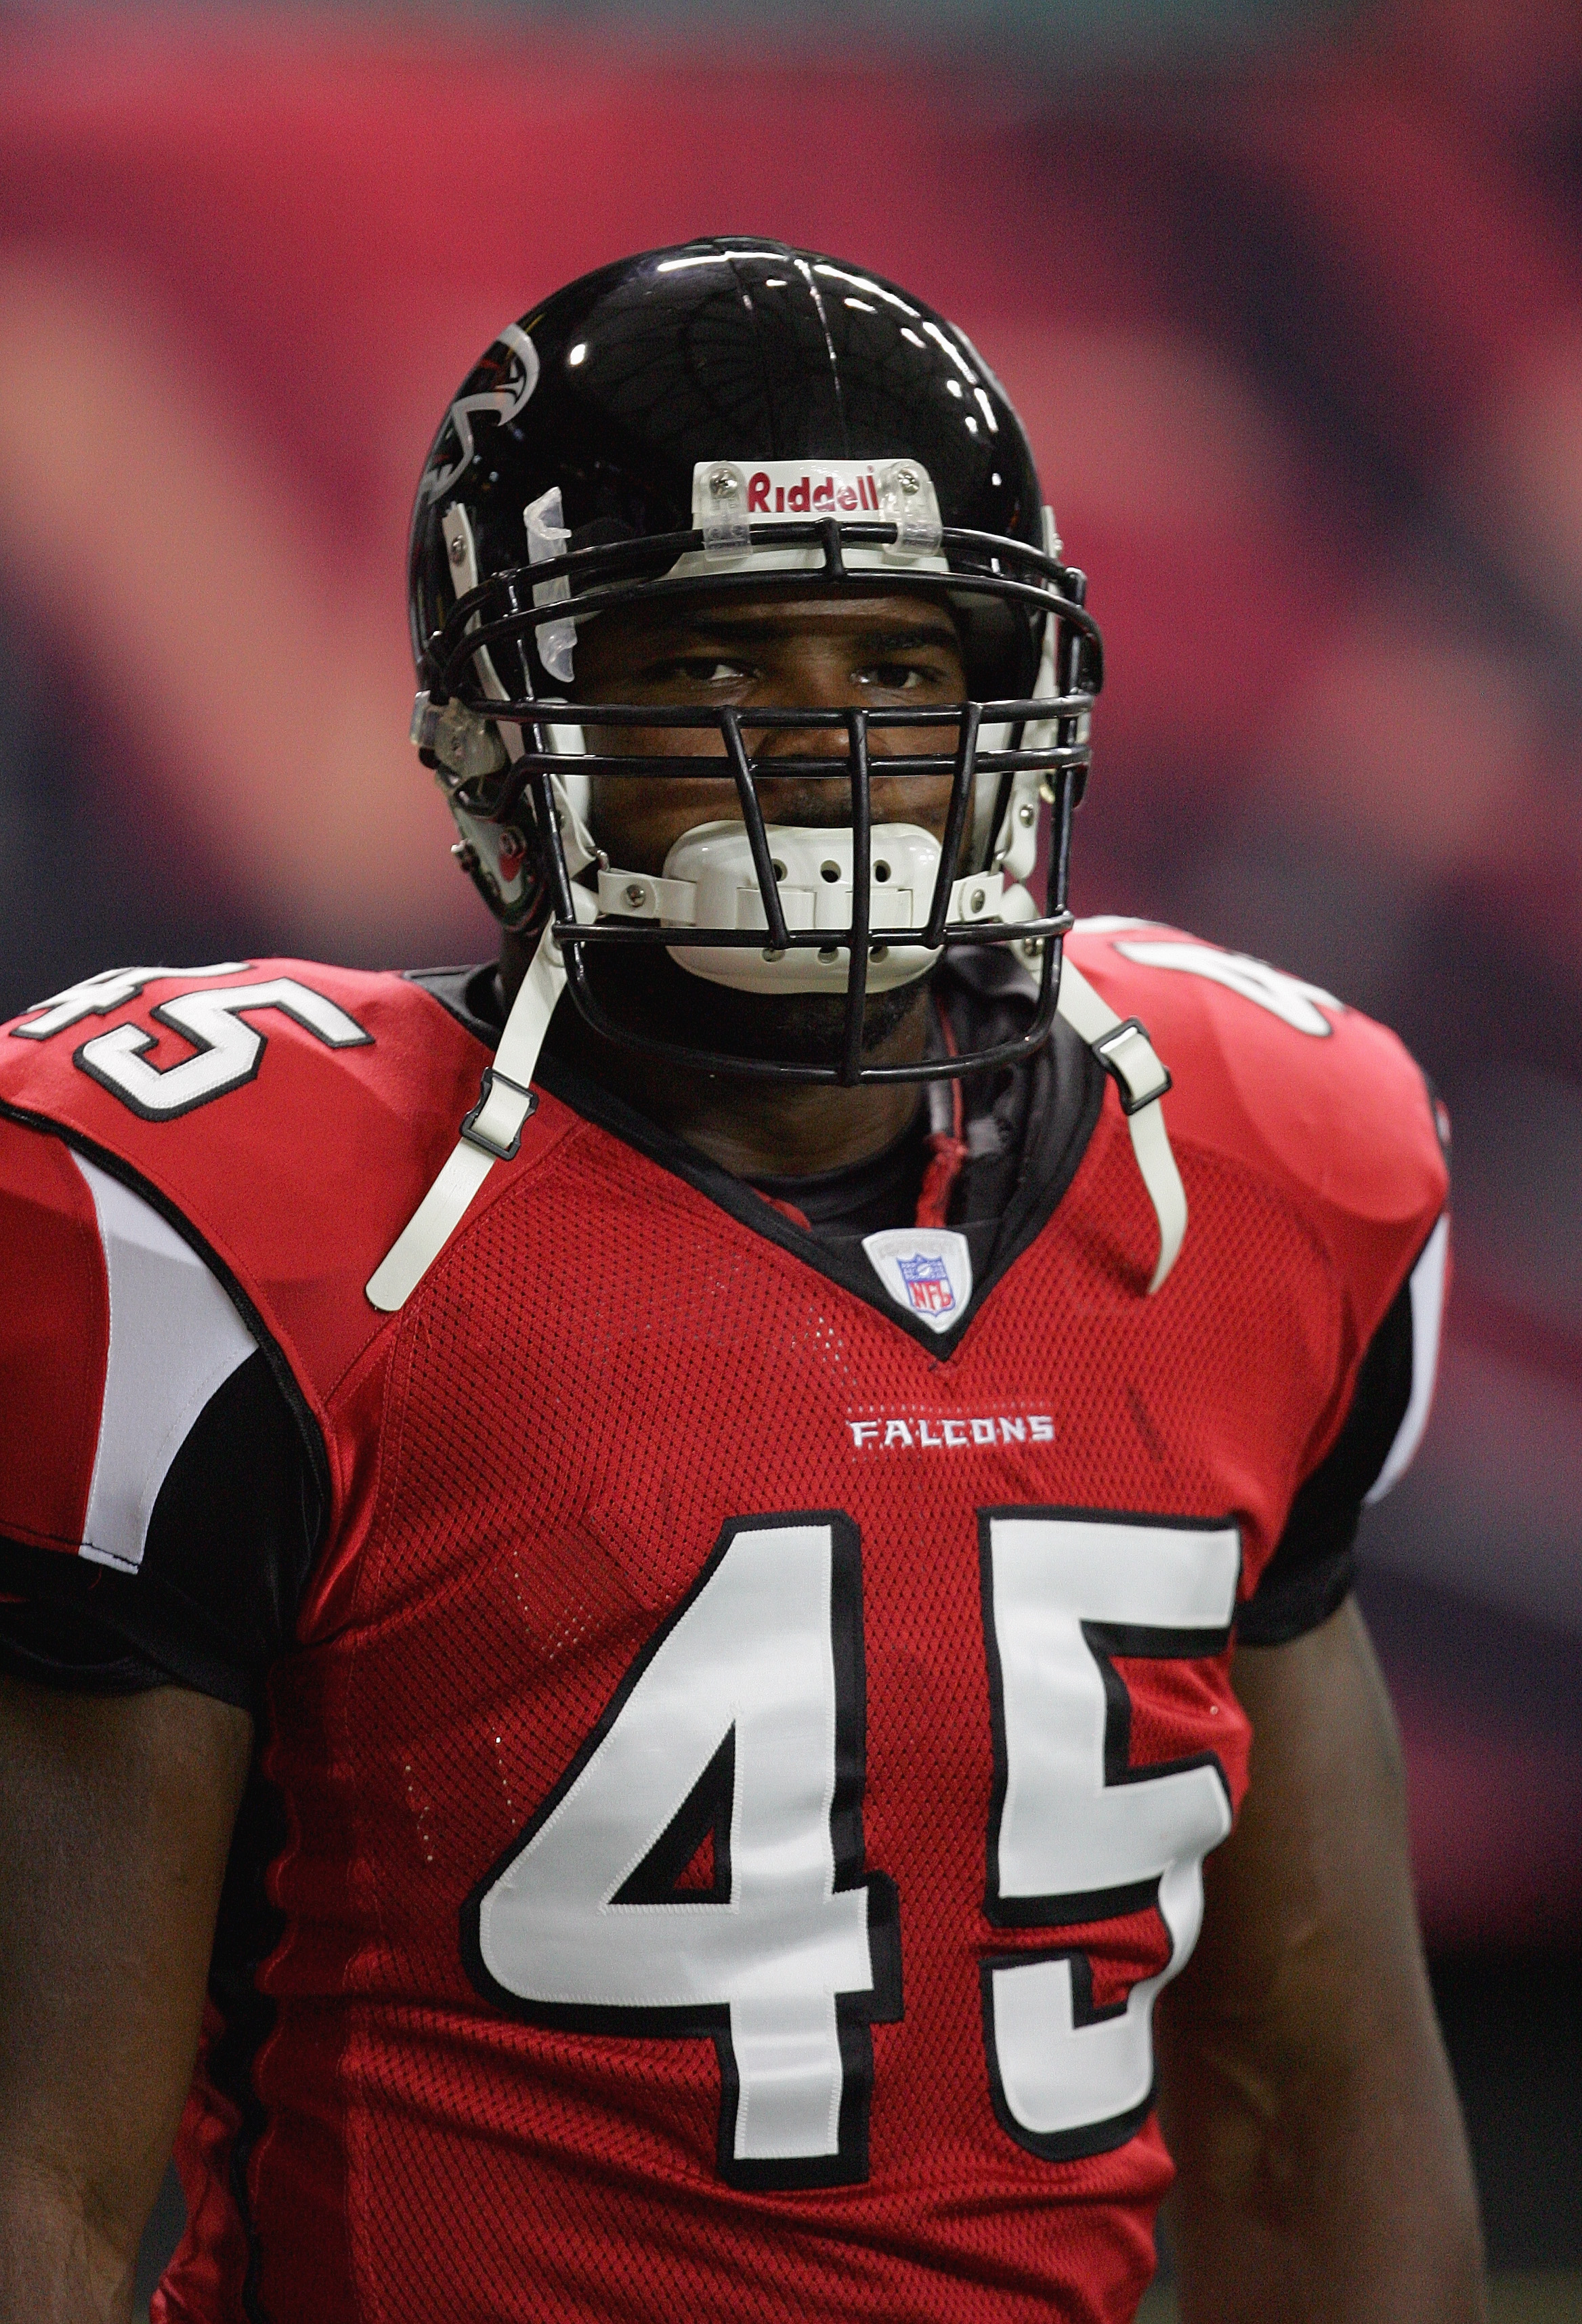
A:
(699, 1867)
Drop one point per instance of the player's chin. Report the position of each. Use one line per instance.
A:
(642, 989)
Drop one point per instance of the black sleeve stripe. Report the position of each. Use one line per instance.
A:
(1313, 1567)
(1426, 1287)
(229, 1546)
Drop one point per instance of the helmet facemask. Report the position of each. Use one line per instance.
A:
(851, 909)
(885, 456)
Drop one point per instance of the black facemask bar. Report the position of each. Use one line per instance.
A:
(501, 611)
(1063, 768)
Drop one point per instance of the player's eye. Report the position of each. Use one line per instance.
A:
(899, 677)
(702, 669)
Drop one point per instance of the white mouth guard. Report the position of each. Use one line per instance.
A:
(709, 882)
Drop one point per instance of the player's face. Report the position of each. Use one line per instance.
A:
(817, 651)
(814, 651)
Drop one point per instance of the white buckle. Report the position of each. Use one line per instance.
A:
(1130, 1058)
(499, 1137)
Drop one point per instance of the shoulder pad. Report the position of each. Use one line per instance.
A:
(1278, 1075)
(285, 1115)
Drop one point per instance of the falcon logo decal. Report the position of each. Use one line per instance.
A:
(516, 360)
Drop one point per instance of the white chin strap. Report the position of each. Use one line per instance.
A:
(1124, 1049)
(492, 1131)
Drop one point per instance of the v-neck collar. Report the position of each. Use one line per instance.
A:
(1075, 1117)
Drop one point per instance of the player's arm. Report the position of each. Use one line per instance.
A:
(1305, 2093)
(115, 1818)
(160, 1506)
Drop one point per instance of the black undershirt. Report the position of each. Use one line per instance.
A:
(236, 1525)
(861, 1197)
(230, 1544)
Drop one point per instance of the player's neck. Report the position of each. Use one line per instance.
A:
(755, 1130)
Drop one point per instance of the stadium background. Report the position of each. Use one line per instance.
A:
(1291, 302)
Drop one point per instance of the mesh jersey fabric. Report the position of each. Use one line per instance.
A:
(529, 1471)
(244, 1475)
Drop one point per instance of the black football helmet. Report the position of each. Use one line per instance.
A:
(733, 415)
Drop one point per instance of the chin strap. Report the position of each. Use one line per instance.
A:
(1127, 1054)
(492, 1131)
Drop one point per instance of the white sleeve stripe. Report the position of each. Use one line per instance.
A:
(1428, 1310)
(174, 1339)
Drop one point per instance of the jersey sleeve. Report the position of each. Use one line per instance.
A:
(1313, 1565)
(159, 1508)
(1281, 1086)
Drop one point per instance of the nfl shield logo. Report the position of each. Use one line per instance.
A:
(927, 1281)
(926, 1270)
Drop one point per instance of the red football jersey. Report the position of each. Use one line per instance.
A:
(743, 1770)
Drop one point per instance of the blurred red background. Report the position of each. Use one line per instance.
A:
(1297, 330)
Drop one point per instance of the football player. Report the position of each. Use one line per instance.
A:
(638, 1580)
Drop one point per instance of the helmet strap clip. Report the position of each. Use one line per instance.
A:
(491, 1133)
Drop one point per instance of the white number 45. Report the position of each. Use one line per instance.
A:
(226, 1052)
(699, 1870)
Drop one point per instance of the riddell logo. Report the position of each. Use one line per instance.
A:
(813, 493)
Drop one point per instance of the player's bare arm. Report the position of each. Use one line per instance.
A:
(725, 1455)
(115, 1817)
(1323, 2165)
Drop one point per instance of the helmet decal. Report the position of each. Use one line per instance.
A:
(521, 376)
